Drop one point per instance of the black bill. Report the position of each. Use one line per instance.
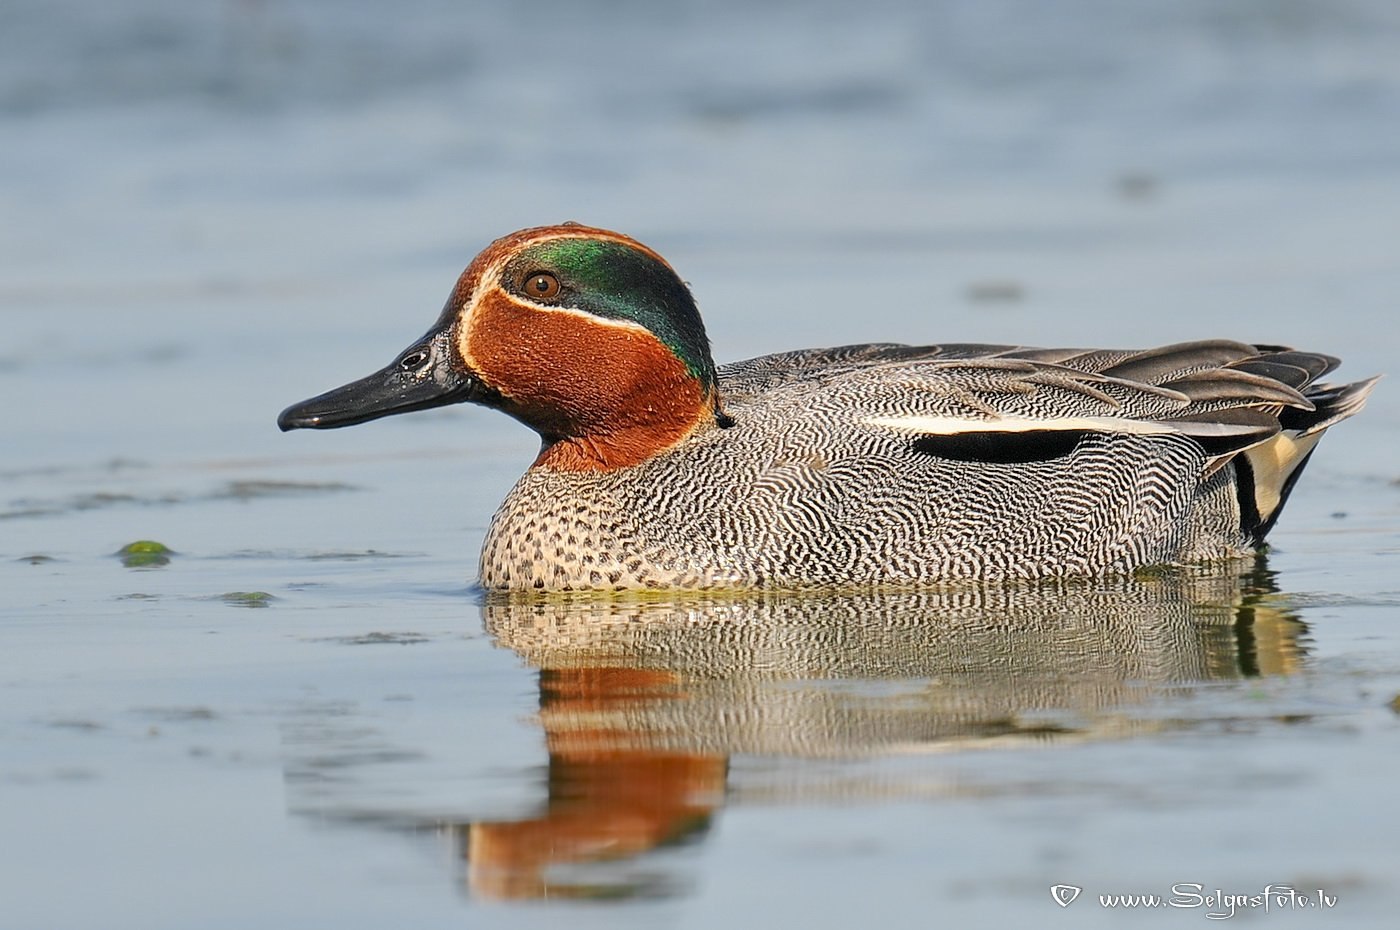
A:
(424, 375)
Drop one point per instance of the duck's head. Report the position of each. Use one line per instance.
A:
(585, 335)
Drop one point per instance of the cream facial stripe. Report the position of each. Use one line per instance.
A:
(493, 274)
(632, 325)
(494, 271)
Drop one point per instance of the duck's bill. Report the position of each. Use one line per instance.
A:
(420, 378)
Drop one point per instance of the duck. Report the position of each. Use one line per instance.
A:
(856, 466)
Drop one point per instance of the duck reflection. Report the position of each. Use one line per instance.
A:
(610, 797)
(643, 704)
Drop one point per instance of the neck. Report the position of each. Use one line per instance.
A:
(648, 425)
(605, 453)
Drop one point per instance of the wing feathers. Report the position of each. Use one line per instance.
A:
(1156, 366)
(1233, 387)
(1313, 364)
(1225, 396)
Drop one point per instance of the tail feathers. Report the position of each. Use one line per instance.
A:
(1332, 403)
(1267, 472)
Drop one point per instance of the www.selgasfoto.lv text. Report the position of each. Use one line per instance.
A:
(1218, 904)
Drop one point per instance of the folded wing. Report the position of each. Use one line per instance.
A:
(1258, 407)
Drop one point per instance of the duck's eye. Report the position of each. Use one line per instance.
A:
(541, 285)
(414, 360)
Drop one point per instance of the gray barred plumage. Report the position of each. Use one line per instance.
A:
(854, 466)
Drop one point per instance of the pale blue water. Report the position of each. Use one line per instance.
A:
(212, 210)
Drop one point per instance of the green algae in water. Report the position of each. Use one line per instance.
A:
(247, 598)
(145, 553)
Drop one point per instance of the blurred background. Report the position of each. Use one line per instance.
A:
(214, 208)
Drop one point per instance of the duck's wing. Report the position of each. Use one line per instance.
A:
(1211, 390)
(980, 403)
(1259, 405)
(756, 375)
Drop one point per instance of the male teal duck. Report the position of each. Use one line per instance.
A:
(862, 465)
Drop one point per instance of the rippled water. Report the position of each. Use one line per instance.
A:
(305, 714)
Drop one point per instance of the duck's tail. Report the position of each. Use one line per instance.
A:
(1266, 473)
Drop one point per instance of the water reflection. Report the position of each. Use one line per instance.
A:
(643, 705)
(658, 714)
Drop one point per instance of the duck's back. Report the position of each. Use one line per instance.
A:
(889, 464)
